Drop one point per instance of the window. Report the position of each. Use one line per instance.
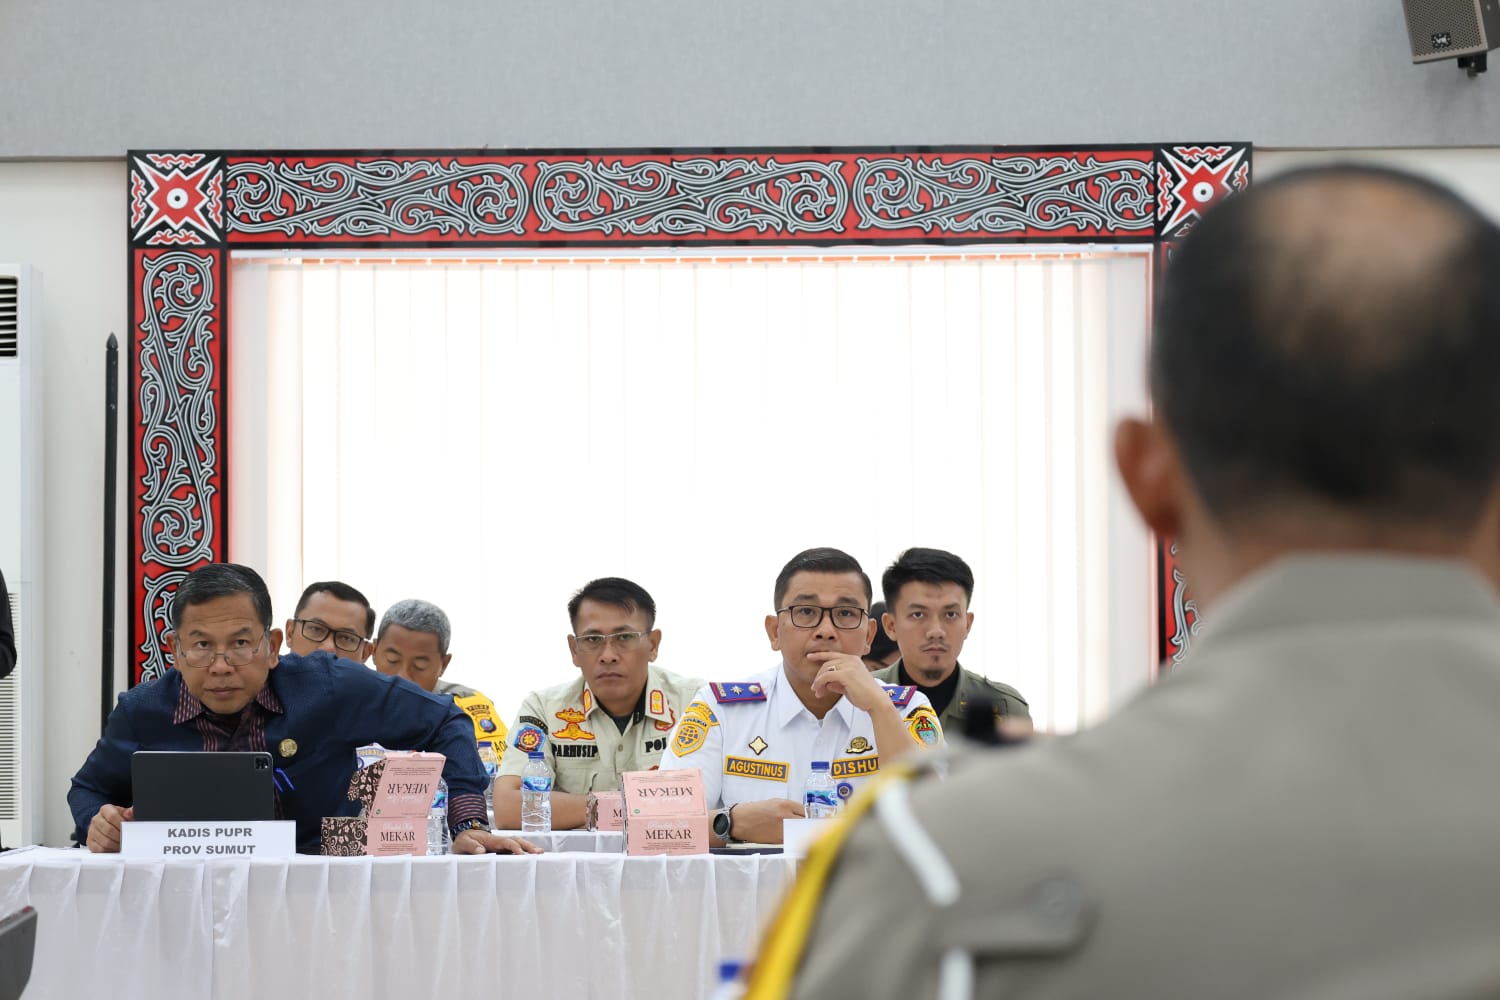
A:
(490, 435)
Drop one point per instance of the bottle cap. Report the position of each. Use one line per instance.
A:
(820, 765)
(536, 755)
(729, 970)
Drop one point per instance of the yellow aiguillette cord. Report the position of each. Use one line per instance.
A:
(782, 944)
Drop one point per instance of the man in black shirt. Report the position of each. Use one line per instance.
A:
(927, 593)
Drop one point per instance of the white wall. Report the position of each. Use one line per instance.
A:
(67, 219)
(95, 77)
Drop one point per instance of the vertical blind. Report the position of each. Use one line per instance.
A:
(490, 435)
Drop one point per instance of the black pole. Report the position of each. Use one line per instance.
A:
(111, 458)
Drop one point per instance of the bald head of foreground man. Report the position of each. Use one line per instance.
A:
(1306, 806)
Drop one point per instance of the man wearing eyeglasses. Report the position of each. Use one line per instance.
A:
(230, 691)
(615, 717)
(334, 617)
(413, 643)
(755, 740)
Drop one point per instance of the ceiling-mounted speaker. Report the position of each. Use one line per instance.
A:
(1452, 29)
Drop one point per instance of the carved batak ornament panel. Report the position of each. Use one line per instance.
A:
(177, 484)
(689, 196)
(188, 210)
(1080, 195)
(384, 199)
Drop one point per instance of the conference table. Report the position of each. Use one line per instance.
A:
(583, 923)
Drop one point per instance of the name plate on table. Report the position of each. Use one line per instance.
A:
(403, 800)
(268, 838)
(798, 835)
(610, 817)
(665, 812)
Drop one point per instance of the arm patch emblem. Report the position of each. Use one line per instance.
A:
(923, 725)
(689, 737)
(529, 738)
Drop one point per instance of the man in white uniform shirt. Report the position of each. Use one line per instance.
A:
(756, 739)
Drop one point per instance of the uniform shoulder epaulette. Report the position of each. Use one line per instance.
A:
(900, 693)
(730, 692)
(1003, 688)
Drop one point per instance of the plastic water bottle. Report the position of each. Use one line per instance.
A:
(439, 840)
(536, 794)
(730, 987)
(491, 761)
(820, 799)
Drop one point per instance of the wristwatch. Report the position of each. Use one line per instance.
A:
(723, 823)
(471, 824)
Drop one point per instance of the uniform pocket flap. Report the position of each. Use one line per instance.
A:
(1052, 918)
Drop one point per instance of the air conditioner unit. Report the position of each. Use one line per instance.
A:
(21, 509)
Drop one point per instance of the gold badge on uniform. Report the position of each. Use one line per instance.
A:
(859, 745)
(690, 736)
(572, 731)
(759, 745)
(287, 747)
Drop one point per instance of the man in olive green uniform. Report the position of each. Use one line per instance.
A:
(927, 595)
(615, 717)
(1306, 807)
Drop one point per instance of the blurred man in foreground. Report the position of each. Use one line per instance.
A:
(1305, 809)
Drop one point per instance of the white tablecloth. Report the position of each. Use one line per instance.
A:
(556, 925)
(574, 841)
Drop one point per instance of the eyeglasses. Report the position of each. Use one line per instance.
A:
(810, 616)
(624, 640)
(238, 655)
(315, 631)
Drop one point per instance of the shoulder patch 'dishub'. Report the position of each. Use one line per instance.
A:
(900, 693)
(730, 692)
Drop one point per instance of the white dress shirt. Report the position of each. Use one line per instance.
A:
(762, 747)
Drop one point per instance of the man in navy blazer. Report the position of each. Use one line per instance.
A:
(231, 691)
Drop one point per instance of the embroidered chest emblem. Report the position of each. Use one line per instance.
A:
(759, 745)
(572, 731)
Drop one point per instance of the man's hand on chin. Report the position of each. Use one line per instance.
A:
(485, 842)
(846, 674)
(104, 828)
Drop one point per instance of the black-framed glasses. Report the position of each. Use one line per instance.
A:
(624, 640)
(316, 631)
(810, 615)
(239, 654)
